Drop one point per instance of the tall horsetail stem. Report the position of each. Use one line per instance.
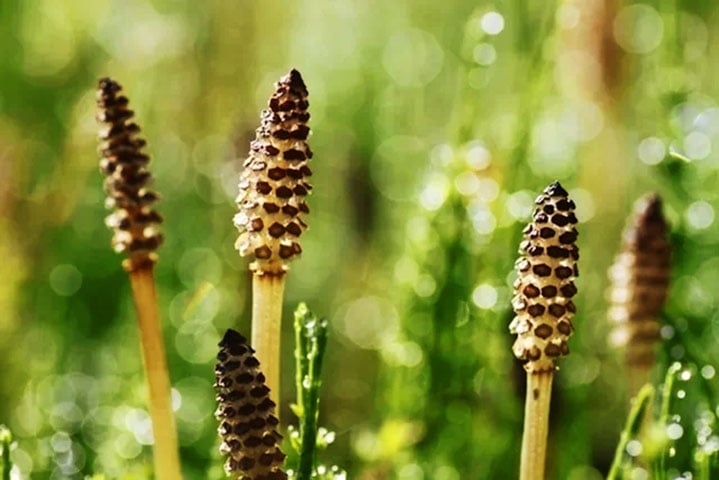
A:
(544, 309)
(640, 284)
(273, 187)
(248, 425)
(136, 233)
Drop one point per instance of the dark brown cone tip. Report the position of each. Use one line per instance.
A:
(545, 282)
(134, 222)
(248, 425)
(640, 279)
(232, 337)
(555, 189)
(294, 80)
(275, 181)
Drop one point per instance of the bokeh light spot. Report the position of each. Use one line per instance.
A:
(484, 54)
(697, 145)
(477, 155)
(492, 23)
(65, 280)
(519, 205)
(485, 296)
(638, 28)
(651, 151)
(634, 448)
(700, 215)
(434, 193)
(413, 58)
(708, 372)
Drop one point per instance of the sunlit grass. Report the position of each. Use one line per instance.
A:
(433, 127)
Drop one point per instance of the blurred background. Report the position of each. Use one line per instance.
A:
(435, 124)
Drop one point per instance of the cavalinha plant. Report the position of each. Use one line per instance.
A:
(640, 283)
(248, 424)
(136, 234)
(543, 304)
(272, 207)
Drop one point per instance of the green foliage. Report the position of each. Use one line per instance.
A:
(432, 130)
(641, 409)
(310, 345)
(5, 461)
(663, 439)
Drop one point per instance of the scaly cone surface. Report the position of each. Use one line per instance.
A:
(248, 425)
(134, 222)
(640, 282)
(273, 184)
(545, 284)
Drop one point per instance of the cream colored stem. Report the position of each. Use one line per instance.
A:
(536, 425)
(166, 456)
(267, 295)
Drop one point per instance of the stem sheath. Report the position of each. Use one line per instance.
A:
(267, 295)
(166, 457)
(536, 425)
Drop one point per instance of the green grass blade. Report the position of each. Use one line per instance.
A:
(5, 441)
(311, 338)
(642, 402)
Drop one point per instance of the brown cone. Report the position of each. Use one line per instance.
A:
(248, 425)
(273, 184)
(134, 222)
(640, 282)
(545, 284)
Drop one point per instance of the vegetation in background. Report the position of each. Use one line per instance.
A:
(432, 129)
(5, 462)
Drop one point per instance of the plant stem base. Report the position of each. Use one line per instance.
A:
(165, 451)
(536, 425)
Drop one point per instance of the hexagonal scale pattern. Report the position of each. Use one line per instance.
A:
(273, 185)
(640, 282)
(248, 425)
(545, 284)
(134, 222)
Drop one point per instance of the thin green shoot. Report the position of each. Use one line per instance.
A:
(679, 156)
(637, 414)
(664, 412)
(5, 441)
(311, 342)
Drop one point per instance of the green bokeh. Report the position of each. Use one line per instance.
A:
(434, 126)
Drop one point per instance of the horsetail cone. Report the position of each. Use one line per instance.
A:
(134, 222)
(640, 282)
(248, 425)
(273, 184)
(545, 284)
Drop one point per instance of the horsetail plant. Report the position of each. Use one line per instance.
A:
(273, 187)
(640, 283)
(136, 233)
(248, 424)
(544, 309)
